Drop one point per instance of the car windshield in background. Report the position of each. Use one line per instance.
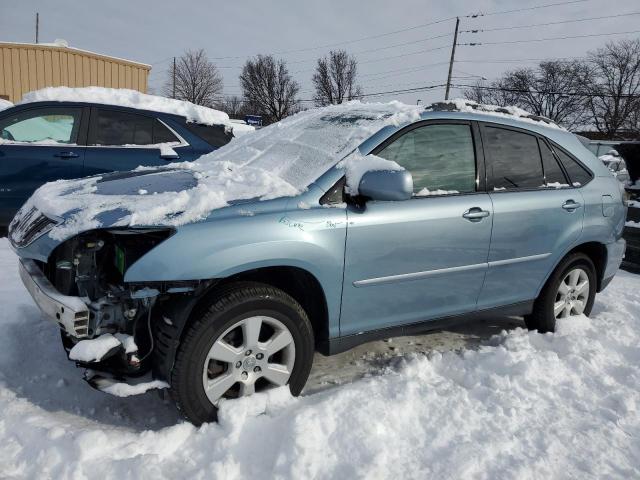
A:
(301, 148)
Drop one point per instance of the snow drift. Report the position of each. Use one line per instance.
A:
(524, 405)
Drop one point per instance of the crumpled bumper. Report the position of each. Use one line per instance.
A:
(71, 313)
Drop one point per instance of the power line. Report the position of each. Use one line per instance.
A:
(549, 23)
(545, 92)
(347, 42)
(474, 44)
(536, 7)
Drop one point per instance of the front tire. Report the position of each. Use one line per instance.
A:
(251, 337)
(571, 290)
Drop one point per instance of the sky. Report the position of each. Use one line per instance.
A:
(393, 41)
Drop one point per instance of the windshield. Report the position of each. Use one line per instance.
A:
(301, 148)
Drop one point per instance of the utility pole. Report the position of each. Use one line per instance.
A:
(174, 77)
(37, 25)
(453, 55)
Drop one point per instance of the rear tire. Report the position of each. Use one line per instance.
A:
(251, 337)
(570, 290)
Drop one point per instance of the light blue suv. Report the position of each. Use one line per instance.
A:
(345, 225)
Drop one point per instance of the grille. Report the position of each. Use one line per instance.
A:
(24, 229)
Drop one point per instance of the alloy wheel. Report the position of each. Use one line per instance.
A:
(572, 295)
(253, 354)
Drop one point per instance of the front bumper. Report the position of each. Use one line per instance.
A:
(71, 313)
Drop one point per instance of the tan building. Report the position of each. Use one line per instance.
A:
(25, 67)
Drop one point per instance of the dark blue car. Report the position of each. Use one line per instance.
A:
(46, 141)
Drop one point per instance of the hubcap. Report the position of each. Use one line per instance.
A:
(573, 294)
(253, 354)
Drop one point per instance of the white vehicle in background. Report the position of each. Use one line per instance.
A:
(616, 164)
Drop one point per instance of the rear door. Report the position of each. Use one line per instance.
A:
(538, 214)
(37, 145)
(121, 140)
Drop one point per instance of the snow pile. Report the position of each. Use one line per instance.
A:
(130, 98)
(93, 350)
(524, 405)
(124, 390)
(469, 106)
(4, 104)
(277, 161)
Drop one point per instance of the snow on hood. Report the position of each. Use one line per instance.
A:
(4, 104)
(130, 98)
(277, 161)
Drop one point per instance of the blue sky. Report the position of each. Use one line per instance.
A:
(154, 31)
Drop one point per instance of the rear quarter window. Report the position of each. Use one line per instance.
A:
(578, 175)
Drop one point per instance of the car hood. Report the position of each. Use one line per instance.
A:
(172, 196)
(145, 182)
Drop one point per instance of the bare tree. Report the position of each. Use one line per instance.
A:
(335, 79)
(489, 93)
(614, 86)
(554, 90)
(197, 80)
(268, 88)
(234, 106)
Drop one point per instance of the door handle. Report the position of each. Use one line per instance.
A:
(571, 205)
(66, 155)
(475, 214)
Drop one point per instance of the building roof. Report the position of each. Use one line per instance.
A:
(62, 45)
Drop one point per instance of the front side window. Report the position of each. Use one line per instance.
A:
(110, 127)
(42, 126)
(513, 159)
(441, 158)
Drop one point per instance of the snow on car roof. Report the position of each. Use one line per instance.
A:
(4, 104)
(280, 160)
(130, 98)
(469, 106)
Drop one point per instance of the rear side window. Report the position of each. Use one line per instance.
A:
(42, 126)
(578, 175)
(214, 135)
(513, 159)
(553, 175)
(441, 158)
(110, 127)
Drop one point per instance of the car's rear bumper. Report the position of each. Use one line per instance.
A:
(71, 313)
(615, 255)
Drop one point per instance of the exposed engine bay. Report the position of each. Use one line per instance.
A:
(92, 267)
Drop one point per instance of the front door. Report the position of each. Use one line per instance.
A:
(37, 145)
(426, 257)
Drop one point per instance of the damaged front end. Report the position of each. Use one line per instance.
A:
(106, 324)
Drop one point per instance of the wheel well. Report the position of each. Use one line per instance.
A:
(597, 252)
(297, 282)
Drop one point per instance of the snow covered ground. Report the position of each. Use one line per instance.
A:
(511, 405)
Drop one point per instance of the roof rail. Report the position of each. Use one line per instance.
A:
(470, 105)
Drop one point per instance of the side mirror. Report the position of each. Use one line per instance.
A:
(386, 185)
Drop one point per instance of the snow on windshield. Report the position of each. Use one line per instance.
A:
(277, 161)
(301, 148)
(130, 98)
